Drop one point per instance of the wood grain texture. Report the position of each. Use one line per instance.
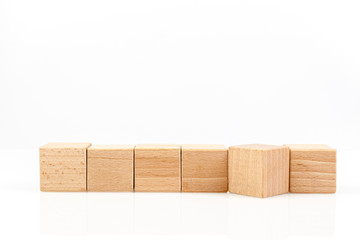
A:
(312, 168)
(110, 168)
(204, 168)
(63, 167)
(258, 170)
(157, 168)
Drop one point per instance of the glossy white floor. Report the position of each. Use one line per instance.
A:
(26, 212)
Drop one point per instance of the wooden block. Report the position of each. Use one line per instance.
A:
(110, 168)
(259, 170)
(157, 168)
(204, 168)
(63, 167)
(312, 168)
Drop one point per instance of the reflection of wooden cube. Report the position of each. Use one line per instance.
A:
(157, 168)
(259, 170)
(110, 168)
(204, 168)
(63, 167)
(312, 168)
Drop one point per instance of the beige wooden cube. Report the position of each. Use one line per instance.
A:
(157, 168)
(204, 168)
(110, 168)
(312, 168)
(63, 167)
(259, 170)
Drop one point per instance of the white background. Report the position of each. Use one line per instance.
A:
(187, 71)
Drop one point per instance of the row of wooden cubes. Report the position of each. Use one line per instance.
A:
(255, 170)
(144, 167)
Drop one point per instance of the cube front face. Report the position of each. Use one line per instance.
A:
(204, 168)
(312, 168)
(259, 170)
(63, 167)
(245, 171)
(276, 171)
(110, 168)
(157, 168)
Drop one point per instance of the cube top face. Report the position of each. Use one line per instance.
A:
(204, 168)
(63, 167)
(260, 172)
(312, 168)
(110, 168)
(258, 147)
(111, 147)
(60, 145)
(203, 147)
(310, 147)
(157, 168)
(157, 146)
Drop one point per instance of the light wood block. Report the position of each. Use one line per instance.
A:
(204, 168)
(157, 168)
(110, 168)
(259, 170)
(63, 167)
(312, 168)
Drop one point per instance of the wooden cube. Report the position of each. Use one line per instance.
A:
(110, 168)
(312, 168)
(259, 170)
(63, 167)
(204, 168)
(157, 168)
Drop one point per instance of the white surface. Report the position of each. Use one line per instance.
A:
(27, 212)
(187, 71)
